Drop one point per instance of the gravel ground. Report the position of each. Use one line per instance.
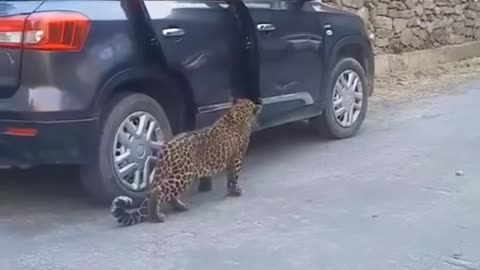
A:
(407, 86)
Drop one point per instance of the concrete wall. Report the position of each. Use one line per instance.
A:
(398, 26)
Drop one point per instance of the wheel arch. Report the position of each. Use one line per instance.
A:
(358, 48)
(163, 86)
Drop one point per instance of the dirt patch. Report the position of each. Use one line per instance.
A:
(405, 86)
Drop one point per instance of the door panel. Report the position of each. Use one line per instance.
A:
(291, 50)
(196, 39)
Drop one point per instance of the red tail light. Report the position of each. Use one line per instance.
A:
(11, 31)
(21, 132)
(46, 31)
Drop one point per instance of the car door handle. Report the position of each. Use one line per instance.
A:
(173, 32)
(265, 27)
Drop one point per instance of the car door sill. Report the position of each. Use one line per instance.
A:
(305, 97)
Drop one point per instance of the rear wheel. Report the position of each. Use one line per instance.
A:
(347, 101)
(134, 127)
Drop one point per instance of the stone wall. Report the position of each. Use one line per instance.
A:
(406, 25)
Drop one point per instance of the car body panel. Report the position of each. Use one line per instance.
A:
(62, 85)
(125, 44)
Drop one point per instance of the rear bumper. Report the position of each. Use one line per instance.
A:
(55, 142)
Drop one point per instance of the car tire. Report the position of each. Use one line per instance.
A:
(327, 124)
(101, 178)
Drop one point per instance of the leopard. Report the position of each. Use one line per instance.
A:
(191, 155)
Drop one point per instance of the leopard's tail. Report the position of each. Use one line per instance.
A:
(125, 213)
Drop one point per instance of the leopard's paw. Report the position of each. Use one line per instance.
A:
(236, 191)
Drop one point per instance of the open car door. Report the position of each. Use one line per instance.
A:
(198, 40)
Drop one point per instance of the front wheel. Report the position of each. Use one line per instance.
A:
(346, 102)
(134, 126)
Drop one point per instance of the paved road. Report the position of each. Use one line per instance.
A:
(386, 199)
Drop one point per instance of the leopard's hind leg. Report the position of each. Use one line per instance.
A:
(178, 187)
(156, 199)
(178, 205)
(170, 191)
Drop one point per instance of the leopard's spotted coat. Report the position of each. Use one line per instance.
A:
(192, 155)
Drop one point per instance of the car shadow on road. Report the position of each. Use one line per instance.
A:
(43, 183)
(52, 186)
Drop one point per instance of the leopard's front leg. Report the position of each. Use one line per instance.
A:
(233, 188)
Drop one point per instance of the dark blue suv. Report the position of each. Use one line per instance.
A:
(102, 84)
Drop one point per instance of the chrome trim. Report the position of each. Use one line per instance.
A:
(303, 96)
(173, 32)
(214, 107)
(265, 27)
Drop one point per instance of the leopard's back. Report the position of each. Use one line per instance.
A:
(201, 153)
(176, 157)
(214, 150)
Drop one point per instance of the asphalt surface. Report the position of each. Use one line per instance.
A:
(387, 199)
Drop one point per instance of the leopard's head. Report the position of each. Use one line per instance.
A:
(243, 112)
